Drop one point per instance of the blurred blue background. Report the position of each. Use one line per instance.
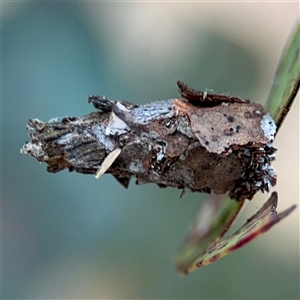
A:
(70, 236)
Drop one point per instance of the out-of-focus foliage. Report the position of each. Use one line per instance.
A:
(287, 79)
(212, 221)
(205, 245)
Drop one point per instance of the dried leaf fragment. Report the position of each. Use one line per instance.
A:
(220, 127)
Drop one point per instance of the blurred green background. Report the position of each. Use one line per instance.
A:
(70, 236)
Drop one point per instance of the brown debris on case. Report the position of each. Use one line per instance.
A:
(200, 98)
(222, 148)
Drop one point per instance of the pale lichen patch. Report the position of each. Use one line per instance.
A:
(268, 126)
